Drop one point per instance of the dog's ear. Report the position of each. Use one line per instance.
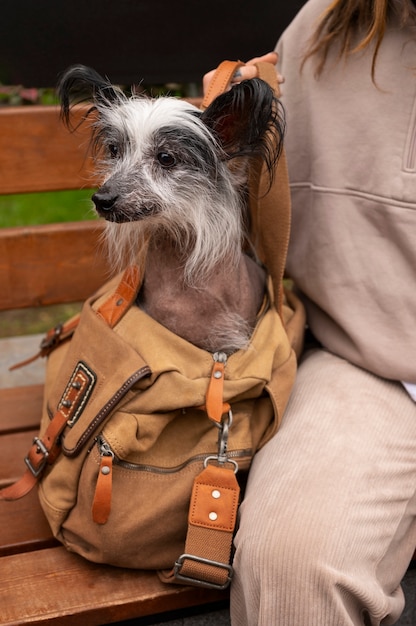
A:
(248, 120)
(80, 83)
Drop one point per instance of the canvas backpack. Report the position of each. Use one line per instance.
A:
(146, 438)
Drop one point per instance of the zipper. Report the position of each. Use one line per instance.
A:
(143, 372)
(106, 450)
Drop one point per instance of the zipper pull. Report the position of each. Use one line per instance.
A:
(214, 400)
(101, 506)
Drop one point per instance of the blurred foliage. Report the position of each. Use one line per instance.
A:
(18, 95)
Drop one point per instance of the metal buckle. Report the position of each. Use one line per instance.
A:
(43, 449)
(222, 458)
(52, 340)
(195, 581)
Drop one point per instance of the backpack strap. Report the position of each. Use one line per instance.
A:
(270, 208)
(220, 81)
(211, 523)
(44, 451)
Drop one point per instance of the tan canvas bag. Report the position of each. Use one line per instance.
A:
(142, 432)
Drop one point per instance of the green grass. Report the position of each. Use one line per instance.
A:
(46, 208)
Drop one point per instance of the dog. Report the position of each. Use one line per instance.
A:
(175, 197)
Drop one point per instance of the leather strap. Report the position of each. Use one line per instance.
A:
(45, 450)
(271, 209)
(113, 309)
(53, 338)
(101, 506)
(220, 81)
(214, 403)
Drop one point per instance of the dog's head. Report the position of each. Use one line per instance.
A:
(168, 165)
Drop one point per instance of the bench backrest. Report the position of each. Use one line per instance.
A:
(41, 265)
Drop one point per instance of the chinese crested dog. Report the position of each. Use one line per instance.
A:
(175, 197)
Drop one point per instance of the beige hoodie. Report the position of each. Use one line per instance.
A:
(351, 150)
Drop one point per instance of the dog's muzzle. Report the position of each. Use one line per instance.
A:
(105, 202)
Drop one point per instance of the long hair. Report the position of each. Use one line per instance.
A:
(343, 19)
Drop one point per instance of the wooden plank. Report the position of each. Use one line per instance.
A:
(50, 264)
(55, 586)
(13, 450)
(23, 527)
(20, 408)
(37, 152)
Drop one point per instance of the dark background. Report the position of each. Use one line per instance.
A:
(131, 41)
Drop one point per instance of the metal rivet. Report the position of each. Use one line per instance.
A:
(216, 494)
(66, 403)
(119, 302)
(76, 384)
(213, 516)
(217, 374)
(105, 470)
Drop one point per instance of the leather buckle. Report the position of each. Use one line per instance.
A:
(196, 581)
(41, 449)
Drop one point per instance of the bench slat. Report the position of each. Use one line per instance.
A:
(13, 449)
(51, 264)
(23, 527)
(21, 408)
(40, 154)
(53, 584)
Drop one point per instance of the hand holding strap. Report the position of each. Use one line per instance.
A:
(220, 81)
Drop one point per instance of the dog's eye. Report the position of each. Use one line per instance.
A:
(165, 159)
(113, 150)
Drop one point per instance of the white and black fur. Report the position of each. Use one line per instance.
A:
(174, 192)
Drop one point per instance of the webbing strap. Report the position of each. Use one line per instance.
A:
(211, 523)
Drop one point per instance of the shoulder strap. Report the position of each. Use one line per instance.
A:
(270, 209)
(220, 81)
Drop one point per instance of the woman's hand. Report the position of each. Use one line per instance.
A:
(247, 71)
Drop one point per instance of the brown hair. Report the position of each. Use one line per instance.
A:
(342, 19)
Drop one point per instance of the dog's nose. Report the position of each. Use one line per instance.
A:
(104, 200)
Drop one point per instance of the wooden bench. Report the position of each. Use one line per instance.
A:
(40, 582)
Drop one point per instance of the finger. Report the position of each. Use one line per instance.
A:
(244, 72)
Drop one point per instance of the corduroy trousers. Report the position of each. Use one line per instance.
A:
(328, 522)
